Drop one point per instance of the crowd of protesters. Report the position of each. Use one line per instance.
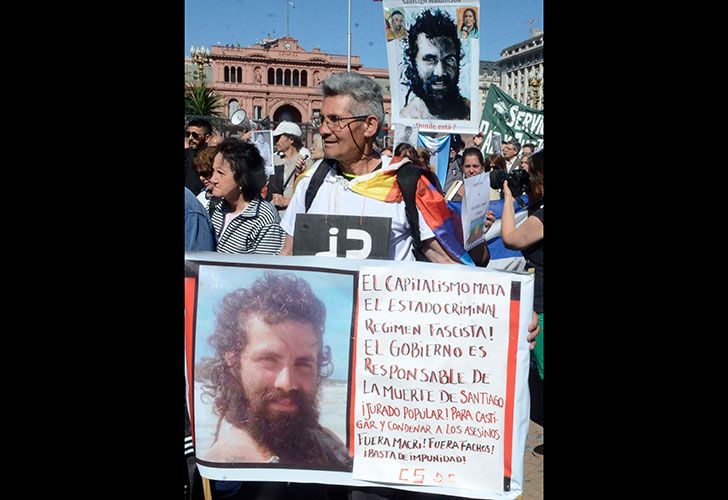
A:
(232, 206)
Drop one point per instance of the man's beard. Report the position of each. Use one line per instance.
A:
(442, 103)
(281, 432)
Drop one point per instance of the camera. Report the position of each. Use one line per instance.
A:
(518, 180)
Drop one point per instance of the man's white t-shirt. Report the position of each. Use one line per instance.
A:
(335, 197)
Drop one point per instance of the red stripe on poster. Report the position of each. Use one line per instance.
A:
(515, 311)
(190, 286)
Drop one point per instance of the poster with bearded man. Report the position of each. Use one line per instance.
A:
(433, 52)
(271, 368)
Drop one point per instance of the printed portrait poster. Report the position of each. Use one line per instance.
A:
(433, 51)
(276, 351)
(263, 141)
(405, 375)
(405, 133)
(496, 143)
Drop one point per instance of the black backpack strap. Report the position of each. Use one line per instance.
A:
(408, 175)
(316, 180)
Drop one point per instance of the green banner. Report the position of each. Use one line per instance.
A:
(510, 118)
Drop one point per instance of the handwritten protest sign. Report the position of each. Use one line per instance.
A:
(423, 383)
(431, 364)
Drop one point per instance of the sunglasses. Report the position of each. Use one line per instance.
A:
(194, 135)
(205, 175)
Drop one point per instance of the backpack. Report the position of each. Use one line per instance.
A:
(408, 175)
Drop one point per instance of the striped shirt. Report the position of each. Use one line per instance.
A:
(254, 230)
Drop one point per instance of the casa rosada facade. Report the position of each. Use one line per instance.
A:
(279, 79)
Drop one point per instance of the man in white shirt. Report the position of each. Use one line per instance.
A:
(351, 117)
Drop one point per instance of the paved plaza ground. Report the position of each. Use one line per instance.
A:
(533, 470)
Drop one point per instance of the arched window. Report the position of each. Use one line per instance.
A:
(304, 78)
(240, 74)
(227, 74)
(279, 76)
(295, 77)
(288, 77)
(271, 76)
(232, 75)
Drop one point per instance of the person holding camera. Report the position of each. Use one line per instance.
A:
(528, 238)
(495, 162)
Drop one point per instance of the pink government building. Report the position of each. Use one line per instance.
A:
(279, 79)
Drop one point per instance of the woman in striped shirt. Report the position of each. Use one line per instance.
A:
(243, 221)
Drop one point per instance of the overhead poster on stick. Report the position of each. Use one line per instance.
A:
(433, 51)
(263, 141)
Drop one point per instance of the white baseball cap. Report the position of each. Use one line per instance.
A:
(287, 128)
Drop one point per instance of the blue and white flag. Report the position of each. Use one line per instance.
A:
(500, 256)
(439, 148)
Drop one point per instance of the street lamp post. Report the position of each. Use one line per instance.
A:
(200, 56)
(348, 43)
(535, 83)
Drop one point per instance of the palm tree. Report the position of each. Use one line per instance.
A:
(202, 100)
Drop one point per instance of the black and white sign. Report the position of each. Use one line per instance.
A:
(346, 236)
(495, 143)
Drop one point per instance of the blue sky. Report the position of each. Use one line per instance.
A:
(323, 24)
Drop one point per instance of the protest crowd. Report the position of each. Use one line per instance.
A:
(235, 203)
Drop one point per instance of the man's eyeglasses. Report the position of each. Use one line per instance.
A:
(334, 122)
(195, 135)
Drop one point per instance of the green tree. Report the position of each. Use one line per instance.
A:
(202, 100)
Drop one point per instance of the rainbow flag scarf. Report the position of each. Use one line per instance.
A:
(445, 223)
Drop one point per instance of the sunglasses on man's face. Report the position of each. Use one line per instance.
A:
(194, 135)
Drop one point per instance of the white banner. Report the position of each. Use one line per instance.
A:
(431, 377)
(405, 375)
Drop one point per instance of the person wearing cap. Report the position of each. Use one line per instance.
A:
(288, 144)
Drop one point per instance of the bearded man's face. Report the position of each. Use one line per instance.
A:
(438, 72)
(280, 378)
